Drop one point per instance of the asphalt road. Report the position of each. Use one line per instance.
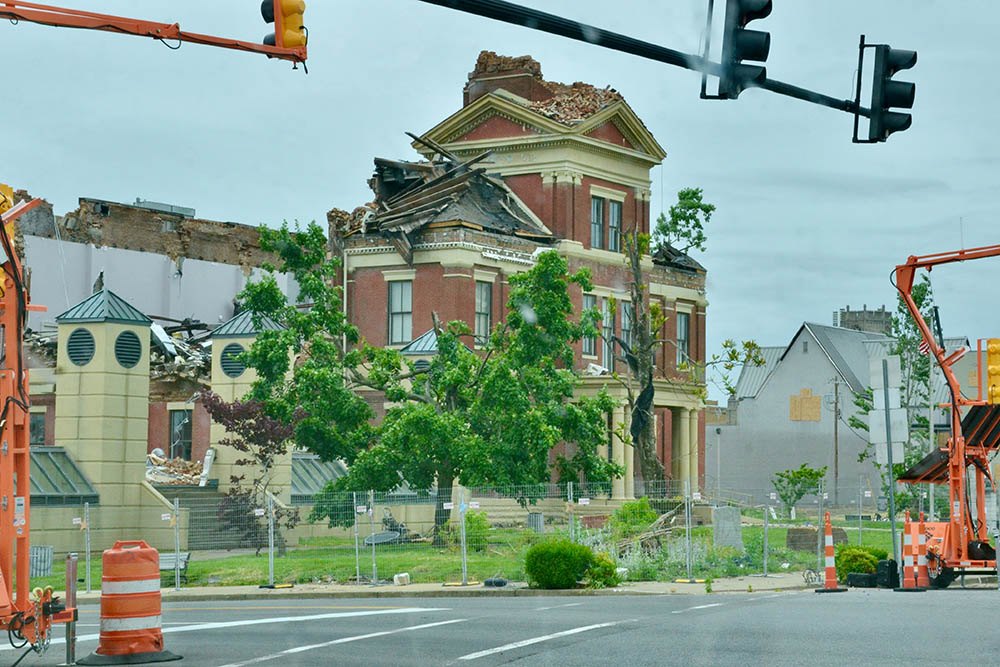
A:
(793, 628)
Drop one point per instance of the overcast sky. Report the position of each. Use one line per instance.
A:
(807, 222)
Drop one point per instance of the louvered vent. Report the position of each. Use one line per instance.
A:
(128, 349)
(80, 347)
(229, 361)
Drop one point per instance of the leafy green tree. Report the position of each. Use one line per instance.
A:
(685, 228)
(794, 483)
(477, 419)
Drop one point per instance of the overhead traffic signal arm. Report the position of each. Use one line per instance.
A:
(75, 18)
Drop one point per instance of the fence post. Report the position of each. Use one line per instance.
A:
(357, 546)
(371, 522)
(270, 540)
(86, 538)
(767, 510)
(687, 527)
(177, 544)
(465, 557)
(572, 522)
(71, 562)
(860, 501)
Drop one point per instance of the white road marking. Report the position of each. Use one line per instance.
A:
(701, 606)
(543, 638)
(559, 606)
(262, 621)
(342, 640)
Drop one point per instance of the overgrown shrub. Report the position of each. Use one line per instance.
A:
(477, 532)
(557, 564)
(878, 552)
(633, 517)
(602, 573)
(853, 559)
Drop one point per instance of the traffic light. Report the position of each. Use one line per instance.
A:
(993, 370)
(739, 44)
(887, 93)
(286, 15)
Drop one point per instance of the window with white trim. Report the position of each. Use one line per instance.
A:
(590, 342)
(615, 226)
(484, 311)
(400, 312)
(683, 338)
(628, 317)
(596, 222)
(608, 331)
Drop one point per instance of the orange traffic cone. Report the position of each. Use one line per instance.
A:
(909, 577)
(130, 607)
(830, 585)
(923, 581)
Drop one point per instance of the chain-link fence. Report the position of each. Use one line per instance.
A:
(467, 535)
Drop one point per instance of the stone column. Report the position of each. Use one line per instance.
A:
(629, 461)
(685, 444)
(618, 454)
(693, 458)
(676, 453)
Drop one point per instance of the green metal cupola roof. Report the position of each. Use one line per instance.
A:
(104, 306)
(241, 326)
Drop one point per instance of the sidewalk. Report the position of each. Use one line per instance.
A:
(776, 582)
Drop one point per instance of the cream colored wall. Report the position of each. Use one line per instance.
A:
(231, 389)
(102, 412)
(53, 526)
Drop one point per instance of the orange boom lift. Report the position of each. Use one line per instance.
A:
(28, 615)
(960, 544)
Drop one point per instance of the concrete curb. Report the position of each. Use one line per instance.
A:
(389, 591)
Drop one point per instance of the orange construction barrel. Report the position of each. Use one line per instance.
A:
(130, 607)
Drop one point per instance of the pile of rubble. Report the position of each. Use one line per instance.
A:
(173, 472)
(574, 104)
(171, 356)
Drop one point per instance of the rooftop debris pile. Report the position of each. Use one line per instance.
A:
(568, 104)
(445, 192)
(575, 103)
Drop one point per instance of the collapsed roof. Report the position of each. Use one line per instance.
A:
(445, 192)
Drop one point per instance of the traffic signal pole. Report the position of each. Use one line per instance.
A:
(508, 12)
(75, 18)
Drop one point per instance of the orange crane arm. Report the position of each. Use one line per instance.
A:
(904, 283)
(75, 18)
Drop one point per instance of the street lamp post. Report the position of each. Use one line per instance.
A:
(718, 462)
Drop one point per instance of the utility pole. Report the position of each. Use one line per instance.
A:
(836, 441)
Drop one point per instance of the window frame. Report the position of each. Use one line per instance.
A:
(628, 316)
(180, 444)
(399, 323)
(483, 324)
(615, 225)
(597, 205)
(35, 418)
(683, 350)
(589, 344)
(607, 331)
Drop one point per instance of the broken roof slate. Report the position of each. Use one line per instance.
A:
(412, 195)
(104, 306)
